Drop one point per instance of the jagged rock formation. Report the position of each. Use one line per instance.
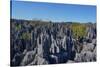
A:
(40, 42)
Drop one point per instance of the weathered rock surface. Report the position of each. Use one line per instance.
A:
(36, 44)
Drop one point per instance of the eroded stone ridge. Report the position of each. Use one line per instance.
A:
(40, 42)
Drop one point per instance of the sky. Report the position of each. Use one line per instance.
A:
(53, 11)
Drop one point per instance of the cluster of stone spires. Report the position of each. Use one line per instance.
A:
(49, 45)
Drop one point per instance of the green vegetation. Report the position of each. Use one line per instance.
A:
(26, 36)
(18, 27)
(79, 30)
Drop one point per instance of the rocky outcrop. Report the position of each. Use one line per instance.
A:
(36, 43)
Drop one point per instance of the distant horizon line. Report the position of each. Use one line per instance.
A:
(50, 20)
